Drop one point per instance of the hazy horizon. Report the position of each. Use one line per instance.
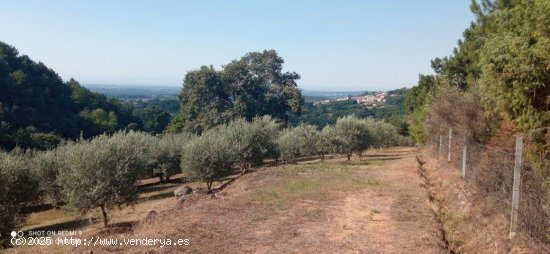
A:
(137, 85)
(356, 45)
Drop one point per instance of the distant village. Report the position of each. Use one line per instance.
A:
(372, 99)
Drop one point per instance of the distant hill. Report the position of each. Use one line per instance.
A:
(316, 96)
(330, 94)
(135, 91)
(37, 108)
(153, 91)
(321, 112)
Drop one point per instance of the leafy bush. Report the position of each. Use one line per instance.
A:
(154, 118)
(44, 141)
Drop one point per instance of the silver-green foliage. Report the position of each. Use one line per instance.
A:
(353, 135)
(210, 156)
(298, 142)
(164, 154)
(252, 141)
(46, 164)
(18, 185)
(328, 141)
(102, 172)
(383, 134)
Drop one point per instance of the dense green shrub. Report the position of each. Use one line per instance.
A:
(154, 119)
(44, 141)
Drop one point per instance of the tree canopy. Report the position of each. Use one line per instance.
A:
(37, 108)
(503, 60)
(251, 86)
(101, 173)
(18, 186)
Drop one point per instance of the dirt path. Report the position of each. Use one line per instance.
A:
(392, 217)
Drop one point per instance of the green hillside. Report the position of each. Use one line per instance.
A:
(37, 108)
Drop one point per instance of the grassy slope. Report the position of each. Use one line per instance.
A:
(371, 204)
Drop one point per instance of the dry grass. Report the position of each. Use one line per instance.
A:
(369, 205)
(473, 221)
(46, 218)
(316, 182)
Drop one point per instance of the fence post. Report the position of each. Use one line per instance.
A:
(440, 145)
(464, 156)
(450, 142)
(516, 186)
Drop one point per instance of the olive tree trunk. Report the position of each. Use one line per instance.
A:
(104, 213)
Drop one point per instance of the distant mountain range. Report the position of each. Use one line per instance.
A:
(330, 94)
(140, 91)
(134, 91)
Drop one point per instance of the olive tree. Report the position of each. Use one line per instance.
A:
(18, 186)
(46, 165)
(101, 173)
(327, 142)
(210, 156)
(289, 149)
(298, 142)
(252, 141)
(269, 129)
(243, 135)
(164, 154)
(383, 134)
(389, 135)
(353, 135)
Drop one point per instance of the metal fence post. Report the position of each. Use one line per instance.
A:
(464, 156)
(440, 145)
(450, 142)
(516, 186)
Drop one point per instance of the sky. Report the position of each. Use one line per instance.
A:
(333, 45)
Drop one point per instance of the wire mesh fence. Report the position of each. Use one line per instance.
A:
(491, 166)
